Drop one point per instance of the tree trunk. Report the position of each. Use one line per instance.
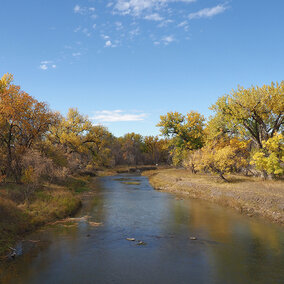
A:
(222, 177)
(264, 174)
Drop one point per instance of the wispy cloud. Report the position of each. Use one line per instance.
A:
(117, 116)
(168, 39)
(208, 12)
(76, 54)
(43, 67)
(154, 17)
(83, 10)
(137, 7)
(46, 64)
(108, 43)
(77, 9)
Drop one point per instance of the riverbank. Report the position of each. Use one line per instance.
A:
(248, 195)
(124, 169)
(20, 215)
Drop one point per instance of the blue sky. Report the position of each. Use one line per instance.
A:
(125, 62)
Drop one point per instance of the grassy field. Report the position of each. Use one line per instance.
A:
(248, 195)
(19, 215)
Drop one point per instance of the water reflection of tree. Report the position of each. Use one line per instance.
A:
(249, 250)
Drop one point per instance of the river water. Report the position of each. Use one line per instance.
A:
(229, 247)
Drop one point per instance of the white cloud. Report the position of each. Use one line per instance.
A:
(154, 17)
(136, 7)
(86, 32)
(46, 64)
(83, 10)
(208, 12)
(108, 43)
(171, 16)
(134, 32)
(77, 9)
(165, 23)
(168, 39)
(119, 26)
(43, 67)
(117, 116)
(76, 54)
(182, 24)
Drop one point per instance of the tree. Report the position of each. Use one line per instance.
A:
(157, 149)
(131, 147)
(71, 131)
(270, 159)
(99, 142)
(84, 143)
(23, 121)
(223, 156)
(192, 159)
(187, 129)
(256, 112)
(186, 132)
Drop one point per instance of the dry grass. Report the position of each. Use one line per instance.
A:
(248, 195)
(47, 204)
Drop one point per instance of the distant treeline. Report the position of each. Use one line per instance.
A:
(38, 144)
(245, 135)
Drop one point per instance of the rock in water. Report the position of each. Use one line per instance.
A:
(131, 239)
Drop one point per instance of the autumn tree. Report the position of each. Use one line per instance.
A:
(192, 160)
(270, 159)
(256, 113)
(185, 131)
(99, 142)
(156, 149)
(223, 157)
(23, 121)
(84, 143)
(131, 148)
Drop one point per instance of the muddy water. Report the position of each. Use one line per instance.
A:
(229, 248)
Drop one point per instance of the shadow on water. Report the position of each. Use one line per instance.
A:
(181, 241)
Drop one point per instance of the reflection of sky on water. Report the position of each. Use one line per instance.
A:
(230, 248)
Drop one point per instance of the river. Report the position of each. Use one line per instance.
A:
(176, 241)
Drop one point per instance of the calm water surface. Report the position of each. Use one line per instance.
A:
(229, 248)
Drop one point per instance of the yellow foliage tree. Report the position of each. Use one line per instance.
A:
(270, 159)
(257, 112)
(186, 132)
(23, 121)
(223, 157)
(156, 148)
